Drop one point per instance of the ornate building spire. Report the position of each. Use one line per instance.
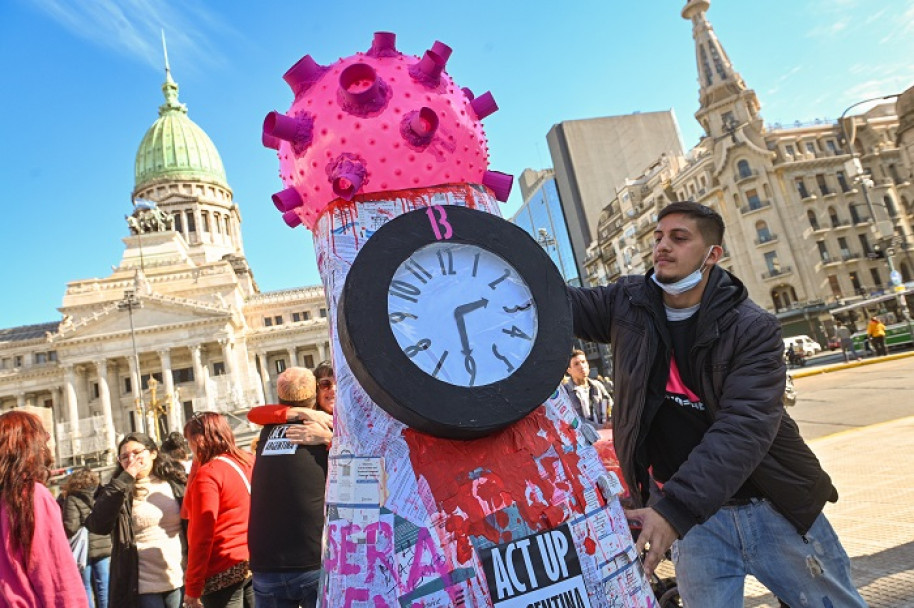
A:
(720, 85)
(170, 88)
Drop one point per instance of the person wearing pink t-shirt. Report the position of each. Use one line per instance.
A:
(37, 567)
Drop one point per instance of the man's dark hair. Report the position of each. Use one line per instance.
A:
(176, 446)
(577, 353)
(710, 223)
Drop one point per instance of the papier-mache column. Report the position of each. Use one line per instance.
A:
(525, 515)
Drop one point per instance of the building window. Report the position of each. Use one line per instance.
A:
(764, 234)
(296, 317)
(753, 199)
(185, 374)
(842, 181)
(823, 187)
(890, 206)
(811, 147)
(789, 149)
(832, 147)
(865, 244)
(893, 172)
(842, 245)
(128, 385)
(280, 365)
(743, 168)
(191, 223)
(855, 283)
(813, 220)
(218, 368)
(268, 321)
(177, 218)
(41, 358)
(95, 391)
(145, 380)
(835, 286)
(277, 320)
(877, 280)
(855, 217)
(323, 313)
(823, 252)
(771, 261)
(17, 361)
(801, 187)
(833, 217)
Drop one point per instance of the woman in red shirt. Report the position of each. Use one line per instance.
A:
(216, 506)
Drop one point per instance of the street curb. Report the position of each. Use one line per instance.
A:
(878, 425)
(839, 366)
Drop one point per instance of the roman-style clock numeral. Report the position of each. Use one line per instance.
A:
(449, 268)
(516, 332)
(518, 308)
(495, 283)
(417, 270)
(503, 358)
(412, 351)
(470, 364)
(396, 317)
(439, 364)
(404, 290)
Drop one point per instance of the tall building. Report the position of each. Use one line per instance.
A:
(593, 157)
(810, 209)
(178, 326)
(541, 217)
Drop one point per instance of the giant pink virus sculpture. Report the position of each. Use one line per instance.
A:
(377, 122)
(525, 516)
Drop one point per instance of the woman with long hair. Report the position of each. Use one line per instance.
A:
(37, 567)
(141, 509)
(216, 506)
(80, 488)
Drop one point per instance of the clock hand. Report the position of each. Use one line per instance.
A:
(459, 312)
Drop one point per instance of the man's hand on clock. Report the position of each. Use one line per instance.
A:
(459, 312)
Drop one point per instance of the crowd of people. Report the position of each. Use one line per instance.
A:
(194, 522)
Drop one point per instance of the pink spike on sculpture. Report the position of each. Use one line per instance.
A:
(297, 131)
(269, 141)
(468, 92)
(362, 92)
(384, 44)
(484, 105)
(418, 128)
(428, 69)
(347, 173)
(360, 127)
(303, 74)
(287, 200)
(499, 183)
(291, 219)
(442, 50)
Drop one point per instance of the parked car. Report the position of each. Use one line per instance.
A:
(834, 343)
(803, 344)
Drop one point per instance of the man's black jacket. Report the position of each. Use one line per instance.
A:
(740, 374)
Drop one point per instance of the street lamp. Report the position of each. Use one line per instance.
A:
(130, 302)
(883, 229)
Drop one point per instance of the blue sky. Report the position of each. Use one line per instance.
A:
(82, 85)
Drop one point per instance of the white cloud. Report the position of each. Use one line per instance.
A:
(133, 27)
(827, 30)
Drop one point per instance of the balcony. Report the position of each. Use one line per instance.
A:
(764, 239)
(738, 177)
(849, 255)
(836, 223)
(776, 272)
(754, 206)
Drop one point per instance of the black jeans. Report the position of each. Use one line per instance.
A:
(239, 595)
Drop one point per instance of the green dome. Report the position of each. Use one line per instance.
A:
(175, 148)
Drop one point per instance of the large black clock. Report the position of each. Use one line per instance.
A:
(455, 321)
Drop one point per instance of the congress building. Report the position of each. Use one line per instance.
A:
(179, 325)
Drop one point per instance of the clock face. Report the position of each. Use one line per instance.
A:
(454, 321)
(462, 314)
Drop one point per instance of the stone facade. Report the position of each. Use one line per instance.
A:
(808, 217)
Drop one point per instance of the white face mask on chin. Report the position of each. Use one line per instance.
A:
(686, 283)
